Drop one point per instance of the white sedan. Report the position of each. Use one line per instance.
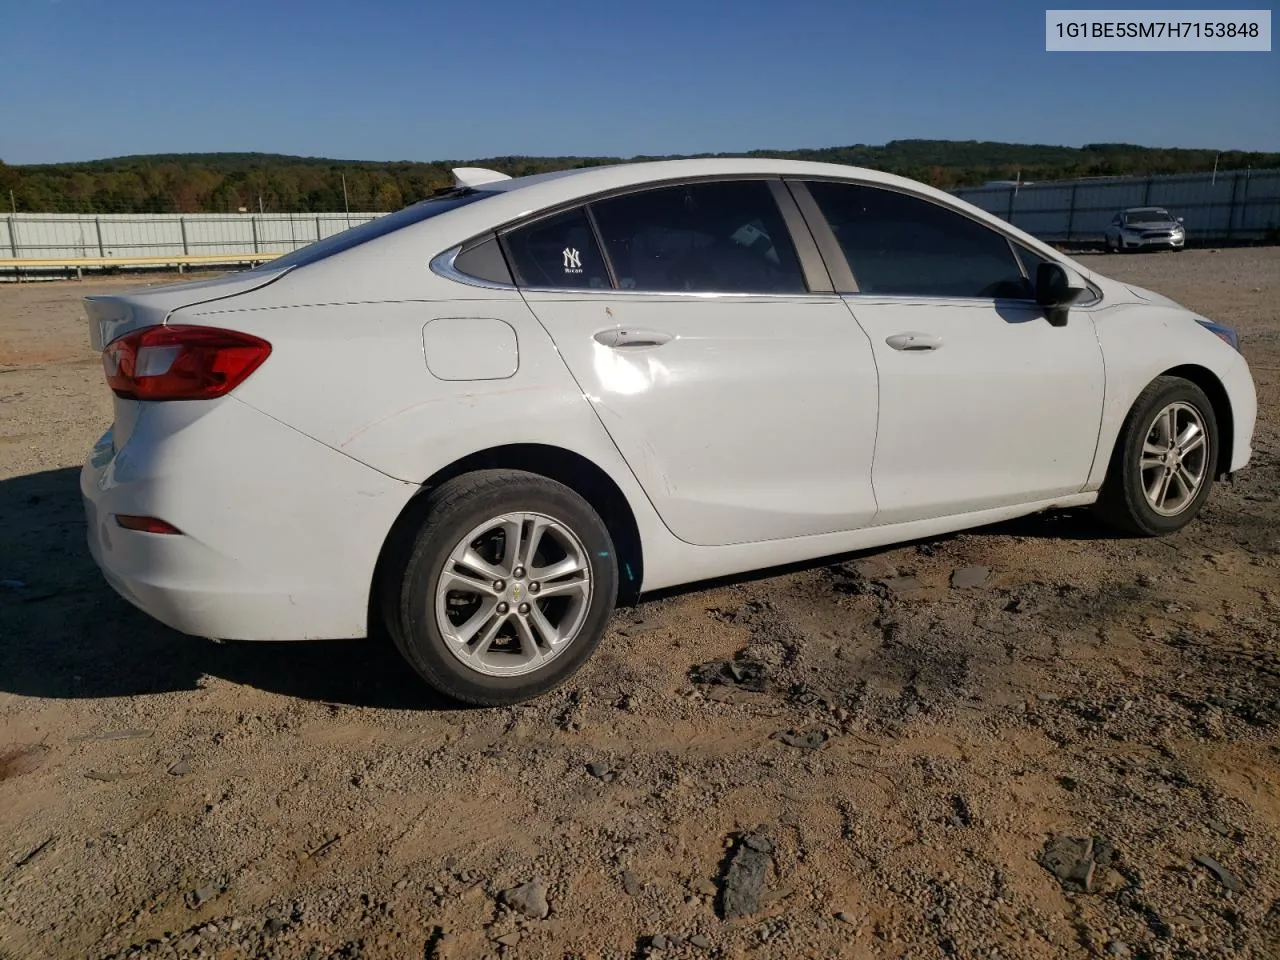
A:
(482, 421)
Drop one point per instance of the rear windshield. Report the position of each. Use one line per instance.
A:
(378, 227)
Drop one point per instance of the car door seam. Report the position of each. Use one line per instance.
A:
(596, 413)
(1102, 407)
(875, 440)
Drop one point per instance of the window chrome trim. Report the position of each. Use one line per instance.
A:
(691, 294)
(810, 209)
(941, 299)
(442, 264)
(934, 300)
(839, 271)
(774, 186)
(1000, 227)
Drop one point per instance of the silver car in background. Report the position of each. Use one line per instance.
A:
(1141, 228)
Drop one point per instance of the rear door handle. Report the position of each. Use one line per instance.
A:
(616, 338)
(914, 342)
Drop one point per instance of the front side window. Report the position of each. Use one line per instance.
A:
(901, 245)
(559, 251)
(1030, 262)
(720, 237)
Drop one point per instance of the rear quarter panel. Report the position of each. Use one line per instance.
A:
(348, 365)
(354, 376)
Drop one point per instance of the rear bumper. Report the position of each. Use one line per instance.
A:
(280, 533)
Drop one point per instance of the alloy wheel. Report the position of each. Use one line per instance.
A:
(513, 594)
(1175, 458)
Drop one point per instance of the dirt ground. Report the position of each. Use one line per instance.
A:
(887, 766)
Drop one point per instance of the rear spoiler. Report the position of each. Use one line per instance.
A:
(475, 176)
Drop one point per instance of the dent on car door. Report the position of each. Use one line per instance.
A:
(983, 403)
(744, 403)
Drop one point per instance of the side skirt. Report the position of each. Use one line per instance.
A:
(674, 563)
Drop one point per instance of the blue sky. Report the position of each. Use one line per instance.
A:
(425, 80)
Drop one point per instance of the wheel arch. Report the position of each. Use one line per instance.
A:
(575, 471)
(1208, 381)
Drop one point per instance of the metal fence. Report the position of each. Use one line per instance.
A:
(1233, 205)
(69, 237)
(1236, 205)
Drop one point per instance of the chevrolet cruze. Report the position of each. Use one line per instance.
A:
(480, 422)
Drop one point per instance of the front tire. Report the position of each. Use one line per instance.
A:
(1164, 460)
(508, 588)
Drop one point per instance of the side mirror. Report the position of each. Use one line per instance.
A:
(1180, 220)
(1057, 287)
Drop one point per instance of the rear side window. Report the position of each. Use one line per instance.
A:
(559, 251)
(484, 261)
(902, 245)
(723, 237)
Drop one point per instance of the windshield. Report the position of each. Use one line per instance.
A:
(1152, 215)
(377, 227)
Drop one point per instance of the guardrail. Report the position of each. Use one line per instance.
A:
(29, 265)
(44, 244)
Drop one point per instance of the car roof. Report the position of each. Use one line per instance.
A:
(1144, 209)
(586, 180)
(519, 196)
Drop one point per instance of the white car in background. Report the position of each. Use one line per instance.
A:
(483, 420)
(1143, 228)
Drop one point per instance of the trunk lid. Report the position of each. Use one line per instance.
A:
(113, 315)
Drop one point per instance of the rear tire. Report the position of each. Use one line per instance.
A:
(1164, 460)
(507, 590)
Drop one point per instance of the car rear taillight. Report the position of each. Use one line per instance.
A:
(141, 524)
(181, 362)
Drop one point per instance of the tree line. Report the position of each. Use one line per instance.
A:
(232, 182)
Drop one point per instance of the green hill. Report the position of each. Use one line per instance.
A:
(226, 182)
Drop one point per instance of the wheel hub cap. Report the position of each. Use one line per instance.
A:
(513, 594)
(1175, 459)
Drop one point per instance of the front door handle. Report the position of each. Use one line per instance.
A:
(914, 342)
(614, 337)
